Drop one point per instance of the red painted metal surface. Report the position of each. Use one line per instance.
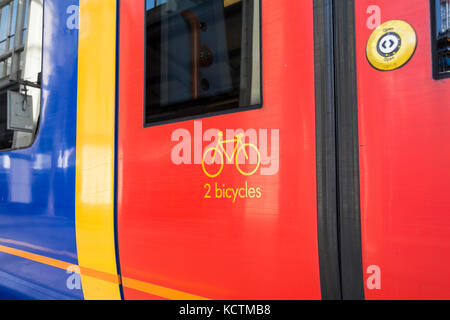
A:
(404, 119)
(169, 234)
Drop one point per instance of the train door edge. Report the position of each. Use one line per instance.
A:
(338, 200)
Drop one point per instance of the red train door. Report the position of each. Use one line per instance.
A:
(403, 99)
(209, 215)
(301, 154)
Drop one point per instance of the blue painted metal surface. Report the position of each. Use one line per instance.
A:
(37, 184)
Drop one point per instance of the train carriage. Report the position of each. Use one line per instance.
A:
(224, 149)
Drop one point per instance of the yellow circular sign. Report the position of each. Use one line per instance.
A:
(391, 45)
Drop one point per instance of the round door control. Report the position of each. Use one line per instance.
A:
(391, 45)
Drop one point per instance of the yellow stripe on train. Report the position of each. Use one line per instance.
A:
(94, 202)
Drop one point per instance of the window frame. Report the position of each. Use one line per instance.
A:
(208, 114)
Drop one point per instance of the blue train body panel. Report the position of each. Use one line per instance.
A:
(37, 184)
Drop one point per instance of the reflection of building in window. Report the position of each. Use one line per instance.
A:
(20, 63)
(13, 26)
(443, 36)
(202, 58)
(150, 4)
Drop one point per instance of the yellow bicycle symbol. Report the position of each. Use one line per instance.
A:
(239, 147)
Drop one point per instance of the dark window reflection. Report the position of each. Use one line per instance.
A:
(442, 40)
(202, 56)
(6, 136)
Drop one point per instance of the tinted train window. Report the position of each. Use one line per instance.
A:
(202, 58)
(441, 38)
(20, 70)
